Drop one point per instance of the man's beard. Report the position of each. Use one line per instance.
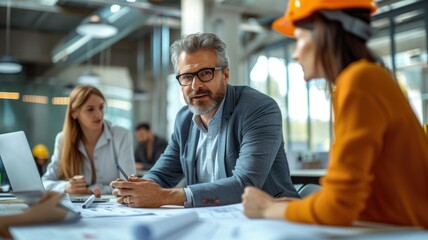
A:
(198, 108)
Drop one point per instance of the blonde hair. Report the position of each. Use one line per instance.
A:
(71, 159)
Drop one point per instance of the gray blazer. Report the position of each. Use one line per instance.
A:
(250, 142)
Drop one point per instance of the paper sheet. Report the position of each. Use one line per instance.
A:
(116, 228)
(111, 210)
(226, 223)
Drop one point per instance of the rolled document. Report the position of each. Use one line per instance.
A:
(163, 227)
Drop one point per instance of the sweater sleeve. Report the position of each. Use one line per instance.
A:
(360, 123)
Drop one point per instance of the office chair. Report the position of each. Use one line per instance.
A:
(298, 186)
(308, 189)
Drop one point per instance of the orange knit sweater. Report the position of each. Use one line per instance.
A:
(378, 168)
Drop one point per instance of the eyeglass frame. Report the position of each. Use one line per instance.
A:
(196, 74)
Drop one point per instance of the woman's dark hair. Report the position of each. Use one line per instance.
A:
(335, 47)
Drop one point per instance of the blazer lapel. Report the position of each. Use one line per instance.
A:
(191, 152)
(229, 105)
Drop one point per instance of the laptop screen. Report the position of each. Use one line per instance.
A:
(22, 171)
(19, 163)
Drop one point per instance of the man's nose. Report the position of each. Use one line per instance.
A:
(196, 83)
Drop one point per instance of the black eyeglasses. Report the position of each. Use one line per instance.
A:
(205, 75)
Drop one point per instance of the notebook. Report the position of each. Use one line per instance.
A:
(22, 171)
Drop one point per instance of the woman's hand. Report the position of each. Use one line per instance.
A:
(258, 204)
(77, 185)
(45, 210)
(97, 192)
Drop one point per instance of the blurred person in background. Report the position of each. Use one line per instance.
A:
(149, 147)
(41, 157)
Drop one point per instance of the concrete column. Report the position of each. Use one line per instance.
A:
(193, 15)
(204, 16)
(140, 107)
(225, 24)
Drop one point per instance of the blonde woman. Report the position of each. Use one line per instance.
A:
(89, 148)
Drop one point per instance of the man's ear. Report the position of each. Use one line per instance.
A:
(226, 75)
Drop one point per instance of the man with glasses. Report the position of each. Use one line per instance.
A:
(227, 138)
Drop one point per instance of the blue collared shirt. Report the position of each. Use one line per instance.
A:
(207, 169)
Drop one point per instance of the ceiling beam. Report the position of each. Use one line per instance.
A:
(145, 7)
(30, 5)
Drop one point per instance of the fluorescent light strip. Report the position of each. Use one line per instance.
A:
(9, 95)
(73, 47)
(60, 100)
(119, 104)
(35, 99)
(115, 16)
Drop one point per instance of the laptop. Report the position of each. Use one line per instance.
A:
(22, 171)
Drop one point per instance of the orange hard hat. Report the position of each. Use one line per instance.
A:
(301, 9)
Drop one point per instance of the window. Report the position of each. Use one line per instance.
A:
(305, 106)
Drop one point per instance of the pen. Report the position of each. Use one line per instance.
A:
(121, 171)
(88, 201)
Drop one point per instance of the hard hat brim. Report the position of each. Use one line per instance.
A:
(296, 12)
(284, 26)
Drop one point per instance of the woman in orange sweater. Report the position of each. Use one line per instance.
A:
(379, 159)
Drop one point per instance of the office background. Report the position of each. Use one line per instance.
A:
(133, 69)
